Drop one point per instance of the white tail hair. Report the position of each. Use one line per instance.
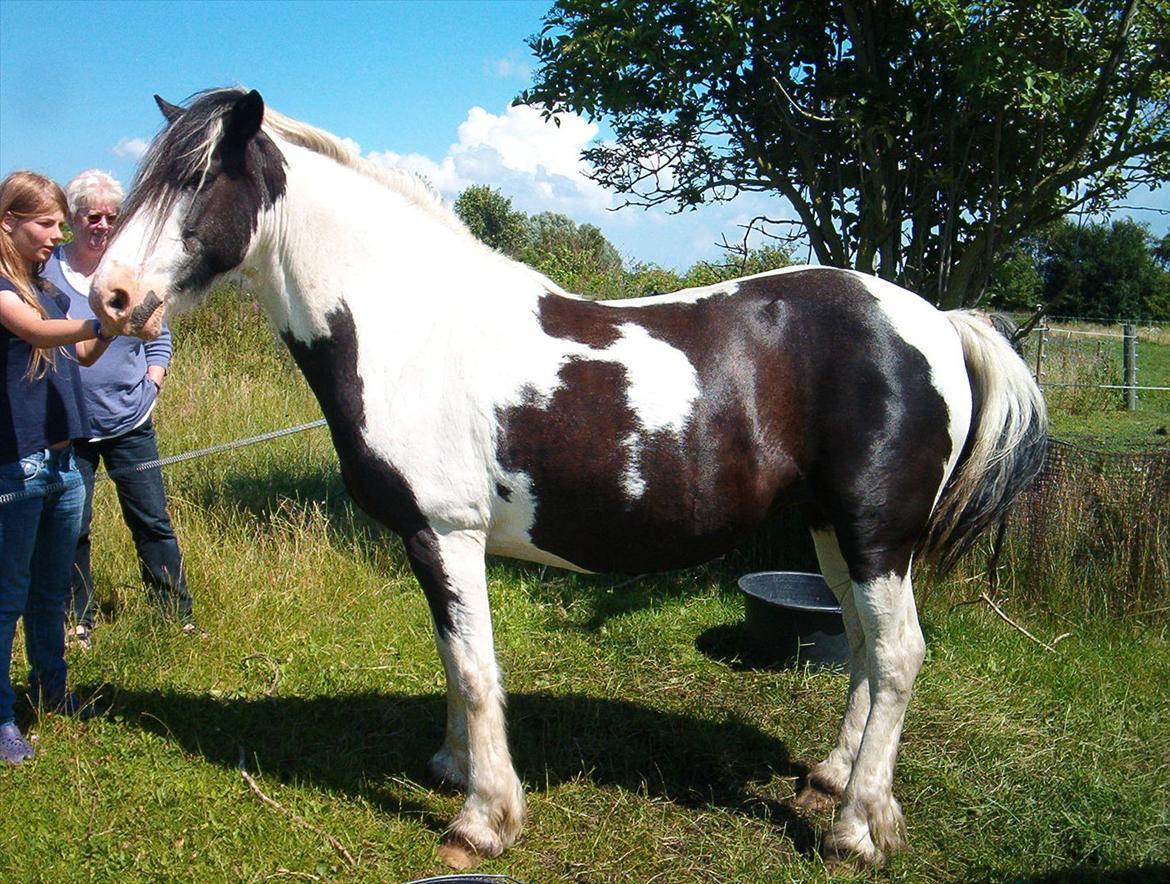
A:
(1005, 445)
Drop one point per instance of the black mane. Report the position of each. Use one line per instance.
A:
(179, 156)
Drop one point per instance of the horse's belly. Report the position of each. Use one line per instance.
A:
(581, 535)
(517, 548)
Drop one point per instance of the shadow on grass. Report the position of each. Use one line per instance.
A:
(354, 744)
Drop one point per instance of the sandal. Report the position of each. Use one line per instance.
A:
(79, 636)
(14, 748)
(191, 629)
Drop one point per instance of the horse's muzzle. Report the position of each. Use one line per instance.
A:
(126, 306)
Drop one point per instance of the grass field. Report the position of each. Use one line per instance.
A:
(1086, 355)
(649, 749)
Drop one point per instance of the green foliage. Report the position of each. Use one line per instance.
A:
(577, 257)
(742, 262)
(551, 233)
(1162, 251)
(650, 279)
(918, 139)
(581, 260)
(490, 217)
(1015, 283)
(1102, 271)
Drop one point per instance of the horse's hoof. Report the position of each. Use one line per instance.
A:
(843, 859)
(457, 854)
(811, 799)
(820, 790)
(838, 863)
(848, 843)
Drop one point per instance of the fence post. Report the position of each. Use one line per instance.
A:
(1129, 347)
(1041, 328)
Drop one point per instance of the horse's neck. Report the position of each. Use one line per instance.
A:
(340, 240)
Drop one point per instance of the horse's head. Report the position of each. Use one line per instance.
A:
(193, 211)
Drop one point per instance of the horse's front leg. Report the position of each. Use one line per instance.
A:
(450, 568)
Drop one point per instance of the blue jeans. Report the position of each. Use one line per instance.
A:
(144, 509)
(37, 537)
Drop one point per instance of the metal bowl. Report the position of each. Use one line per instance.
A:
(793, 618)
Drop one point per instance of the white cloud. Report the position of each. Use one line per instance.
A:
(535, 163)
(510, 68)
(538, 165)
(132, 148)
(352, 145)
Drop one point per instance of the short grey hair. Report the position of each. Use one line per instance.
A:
(90, 187)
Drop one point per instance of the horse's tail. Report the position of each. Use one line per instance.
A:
(1005, 445)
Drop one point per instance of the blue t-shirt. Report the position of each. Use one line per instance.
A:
(35, 414)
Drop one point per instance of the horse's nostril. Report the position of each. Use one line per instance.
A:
(119, 300)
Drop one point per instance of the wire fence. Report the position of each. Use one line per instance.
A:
(1092, 532)
(13, 496)
(1088, 367)
(1093, 529)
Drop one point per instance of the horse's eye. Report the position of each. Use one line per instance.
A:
(190, 242)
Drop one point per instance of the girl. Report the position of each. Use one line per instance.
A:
(41, 412)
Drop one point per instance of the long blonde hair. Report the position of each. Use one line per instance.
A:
(27, 194)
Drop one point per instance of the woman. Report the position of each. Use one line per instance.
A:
(41, 412)
(120, 393)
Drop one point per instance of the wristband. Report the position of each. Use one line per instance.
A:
(97, 332)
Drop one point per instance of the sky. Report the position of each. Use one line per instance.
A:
(427, 84)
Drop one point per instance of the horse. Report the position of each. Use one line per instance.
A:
(476, 407)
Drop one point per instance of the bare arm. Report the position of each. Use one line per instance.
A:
(27, 324)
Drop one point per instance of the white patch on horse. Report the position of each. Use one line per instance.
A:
(927, 330)
(633, 484)
(663, 384)
(662, 388)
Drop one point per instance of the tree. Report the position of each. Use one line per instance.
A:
(1102, 271)
(1015, 283)
(1162, 251)
(551, 233)
(490, 217)
(741, 261)
(916, 139)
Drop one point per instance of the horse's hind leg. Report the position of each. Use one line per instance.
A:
(450, 568)
(827, 780)
(869, 823)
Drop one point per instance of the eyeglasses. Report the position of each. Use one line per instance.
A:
(95, 217)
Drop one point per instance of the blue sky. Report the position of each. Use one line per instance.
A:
(428, 85)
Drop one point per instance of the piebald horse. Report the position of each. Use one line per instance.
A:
(477, 408)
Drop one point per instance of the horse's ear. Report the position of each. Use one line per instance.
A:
(244, 120)
(171, 111)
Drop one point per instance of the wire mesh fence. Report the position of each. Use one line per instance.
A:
(1092, 534)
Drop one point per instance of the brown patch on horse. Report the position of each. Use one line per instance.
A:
(586, 322)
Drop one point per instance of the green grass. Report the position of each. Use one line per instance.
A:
(649, 750)
(1074, 354)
